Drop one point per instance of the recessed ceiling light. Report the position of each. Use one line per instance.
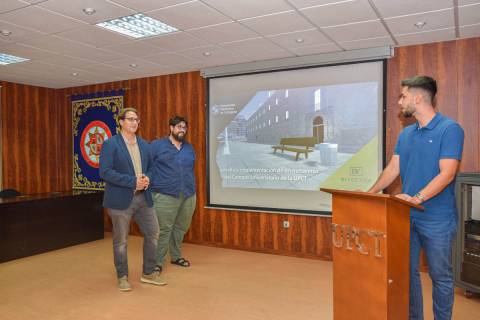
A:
(133, 65)
(5, 33)
(9, 59)
(137, 26)
(74, 74)
(299, 40)
(89, 11)
(420, 24)
(207, 54)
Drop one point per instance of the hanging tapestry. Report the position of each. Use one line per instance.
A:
(94, 120)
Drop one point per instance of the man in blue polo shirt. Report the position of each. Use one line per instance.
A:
(427, 157)
(173, 190)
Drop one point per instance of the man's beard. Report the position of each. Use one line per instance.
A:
(409, 111)
(408, 114)
(178, 137)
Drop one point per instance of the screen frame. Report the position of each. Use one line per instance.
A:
(209, 205)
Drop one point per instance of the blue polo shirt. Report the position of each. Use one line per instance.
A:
(420, 150)
(172, 168)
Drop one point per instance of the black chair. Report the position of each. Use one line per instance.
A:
(9, 193)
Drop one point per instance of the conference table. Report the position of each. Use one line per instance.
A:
(38, 223)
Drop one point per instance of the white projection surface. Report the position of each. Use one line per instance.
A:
(276, 138)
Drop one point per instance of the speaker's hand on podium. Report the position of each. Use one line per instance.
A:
(409, 198)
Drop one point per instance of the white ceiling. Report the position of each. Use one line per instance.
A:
(59, 39)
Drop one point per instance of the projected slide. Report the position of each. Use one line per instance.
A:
(300, 138)
(276, 138)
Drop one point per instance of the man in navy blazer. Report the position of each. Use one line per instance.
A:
(125, 164)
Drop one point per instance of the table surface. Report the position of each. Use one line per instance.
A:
(49, 195)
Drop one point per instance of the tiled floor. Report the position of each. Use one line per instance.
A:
(79, 283)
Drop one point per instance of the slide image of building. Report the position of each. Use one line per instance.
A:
(342, 120)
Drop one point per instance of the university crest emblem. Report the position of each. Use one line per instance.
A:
(93, 136)
(94, 121)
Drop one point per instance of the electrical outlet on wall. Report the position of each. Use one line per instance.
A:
(286, 224)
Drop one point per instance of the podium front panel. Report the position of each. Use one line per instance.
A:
(359, 253)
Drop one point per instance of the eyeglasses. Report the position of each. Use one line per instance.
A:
(133, 119)
(183, 127)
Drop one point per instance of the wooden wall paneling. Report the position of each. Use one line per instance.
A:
(469, 101)
(267, 232)
(243, 229)
(228, 229)
(205, 227)
(275, 236)
(283, 234)
(304, 234)
(12, 142)
(31, 121)
(3, 118)
(255, 230)
(408, 68)
(309, 228)
(455, 64)
(29, 131)
(392, 92)
(296, 234)
(63, 142)
(427, 59)
(224, 236)
(249, 230)
(264, 222)
(447, 69)
(217, 228)
(324, 238)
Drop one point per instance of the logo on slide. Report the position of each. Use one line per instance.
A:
(93, 137)
(215, 110)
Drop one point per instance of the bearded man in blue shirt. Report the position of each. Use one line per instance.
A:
(427, 157)
(173, 190)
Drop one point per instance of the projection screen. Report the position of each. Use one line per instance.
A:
(275, 138)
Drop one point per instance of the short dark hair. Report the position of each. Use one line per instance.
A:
(425, 83)
(123, 113)
(176, 120)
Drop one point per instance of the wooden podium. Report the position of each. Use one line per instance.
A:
(370, 247)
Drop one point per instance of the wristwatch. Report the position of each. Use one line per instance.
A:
(419, 196)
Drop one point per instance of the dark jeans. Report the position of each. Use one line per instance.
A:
(146, 219)
(436, 239)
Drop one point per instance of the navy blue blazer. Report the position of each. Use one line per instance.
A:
(116, 169)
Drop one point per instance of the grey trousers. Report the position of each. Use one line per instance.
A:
(174, 218)
(147, 221)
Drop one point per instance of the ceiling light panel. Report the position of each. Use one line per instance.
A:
(9, 59)
(137, 26)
